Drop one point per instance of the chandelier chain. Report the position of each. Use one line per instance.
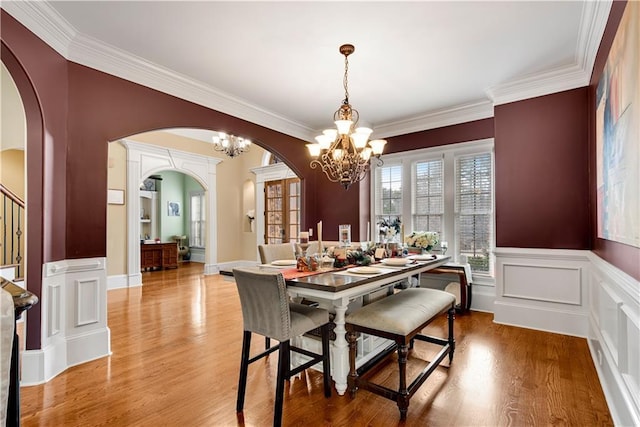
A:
(346, 80)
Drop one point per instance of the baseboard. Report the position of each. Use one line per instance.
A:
(226, 267)
(120, 281)
(482, 298)
(40, 366)
(117, 282)
(90, 346)
(572, 323)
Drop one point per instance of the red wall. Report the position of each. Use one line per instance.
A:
(470, 131)
(542, 186)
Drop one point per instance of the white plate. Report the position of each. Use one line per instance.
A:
(423, 257)
(398, 262)
(282, 262)
(365, 270)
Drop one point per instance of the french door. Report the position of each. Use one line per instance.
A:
(282, 210)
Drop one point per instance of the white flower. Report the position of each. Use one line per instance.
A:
(422, 239)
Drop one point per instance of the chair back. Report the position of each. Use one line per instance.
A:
(264, 302)
(275, 251)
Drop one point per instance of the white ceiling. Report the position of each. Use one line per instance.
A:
(417, 65)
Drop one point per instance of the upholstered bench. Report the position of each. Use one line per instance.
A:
(401, 318)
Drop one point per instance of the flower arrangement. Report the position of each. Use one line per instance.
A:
(353, 257)
(425, 240)
(389, 229)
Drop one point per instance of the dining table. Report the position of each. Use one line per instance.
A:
(334, 289)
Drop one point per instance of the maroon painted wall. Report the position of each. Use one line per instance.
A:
(463, 132)
(625, 257)
(104, 108)
(541, 174)
(33, 64)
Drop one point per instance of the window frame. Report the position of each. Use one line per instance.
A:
(448, 154)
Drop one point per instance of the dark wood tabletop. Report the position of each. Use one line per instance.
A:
(331, 282)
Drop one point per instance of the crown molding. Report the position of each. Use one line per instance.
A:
(101, 56)
(42, 20)
(558, 80)
(460, 114)
(592, 25)
(594, 21)
(46, 23)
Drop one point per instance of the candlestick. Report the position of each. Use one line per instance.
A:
(320, 237)
(368, 232)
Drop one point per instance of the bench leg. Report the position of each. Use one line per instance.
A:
(403, 394)
(452, 342)
(352, 379)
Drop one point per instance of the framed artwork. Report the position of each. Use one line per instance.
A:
(618, 135)
(173, 208)
(148, 184)
(115, 197)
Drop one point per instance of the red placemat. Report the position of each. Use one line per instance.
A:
(293, 273)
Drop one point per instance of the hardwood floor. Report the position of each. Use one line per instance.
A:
(176, 353)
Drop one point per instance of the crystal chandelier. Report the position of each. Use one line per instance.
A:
(230, 145)
(343, 153)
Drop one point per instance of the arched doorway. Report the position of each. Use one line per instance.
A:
(145, 160)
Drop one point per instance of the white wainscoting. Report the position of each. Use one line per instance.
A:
(542, 289)
(614, 338)
(578, 293)
(74, 319)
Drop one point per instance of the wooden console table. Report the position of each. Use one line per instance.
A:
(158, 255)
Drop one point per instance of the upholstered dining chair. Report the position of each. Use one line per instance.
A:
(276, 251)
(267, 311)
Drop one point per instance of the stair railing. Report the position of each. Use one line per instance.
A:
(12, 212)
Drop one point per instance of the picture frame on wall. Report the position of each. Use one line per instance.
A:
(173, 208)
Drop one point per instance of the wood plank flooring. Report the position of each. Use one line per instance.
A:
(176, 352)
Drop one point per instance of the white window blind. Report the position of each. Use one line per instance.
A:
(428, 197)
(474, 209)
(197, 219)
(388, 194)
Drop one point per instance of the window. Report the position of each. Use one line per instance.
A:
(197, 218)
(444, 189)
(282, 210)
(474, 209)
(389, 195)
(428, 196)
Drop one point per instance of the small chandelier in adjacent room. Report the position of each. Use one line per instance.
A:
(343, 153)
(230, 145)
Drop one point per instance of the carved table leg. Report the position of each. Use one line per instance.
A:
(340, 350)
